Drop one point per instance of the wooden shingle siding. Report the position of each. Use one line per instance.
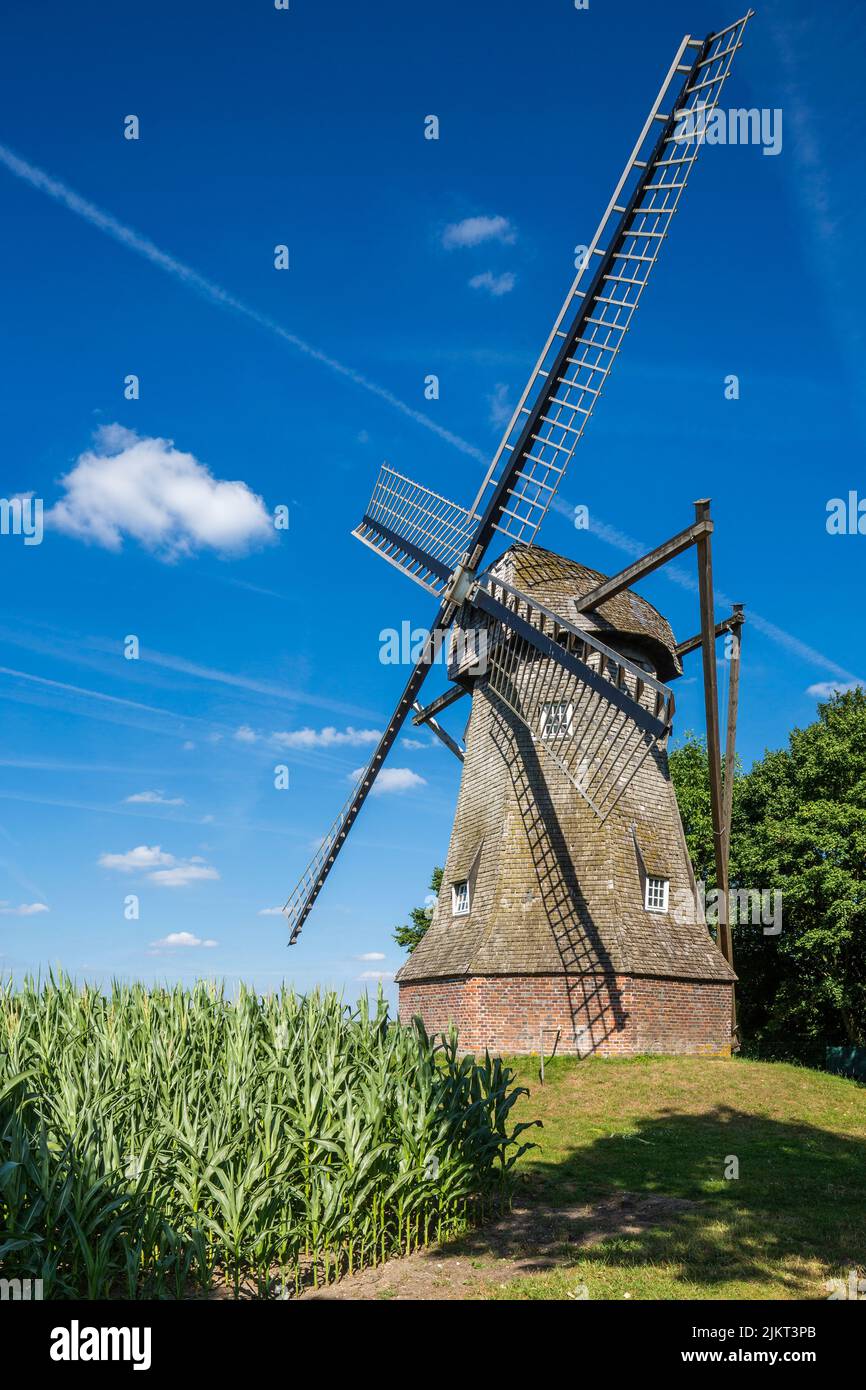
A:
(558, 935)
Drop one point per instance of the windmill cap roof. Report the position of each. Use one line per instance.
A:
(556, 581)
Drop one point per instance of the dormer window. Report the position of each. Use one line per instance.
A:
(656, 894)
(460, 898)
(557, 719)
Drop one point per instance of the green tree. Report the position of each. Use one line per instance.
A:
(799, 826)
(690, 776)
(409, 934)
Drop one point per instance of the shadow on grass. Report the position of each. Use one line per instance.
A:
(657, 1194)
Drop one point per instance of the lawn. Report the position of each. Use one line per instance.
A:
(663, 1131)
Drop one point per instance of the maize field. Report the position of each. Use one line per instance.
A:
(168, 1142)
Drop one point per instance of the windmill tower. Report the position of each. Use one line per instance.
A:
(568, 916)
(568, 906)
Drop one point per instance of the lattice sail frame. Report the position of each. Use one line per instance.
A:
(418, 531)
(573, 368)
(423, 533)
(313, 877)
(609, 715)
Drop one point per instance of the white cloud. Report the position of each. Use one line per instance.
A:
(23, 909)
(156, 799)
(161, 868)
(145, 488)
(371, 955)
(142, 857)
(824, 689)
(245, 734)
(270, 912)
(413, 744)
(376, 975)
(391, 779)
(496, 285)
(188, 746)
(327, 738)
(472, 231)
(182, 938)
(182, 874)
(500, 410)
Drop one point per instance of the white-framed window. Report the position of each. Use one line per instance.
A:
(557, 719)
(656, 896)
(460, 898)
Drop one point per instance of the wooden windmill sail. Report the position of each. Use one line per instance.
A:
(580, 721)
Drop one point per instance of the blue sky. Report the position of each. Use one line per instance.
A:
(305, 128)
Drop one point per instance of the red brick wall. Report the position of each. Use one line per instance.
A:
(607, 1015)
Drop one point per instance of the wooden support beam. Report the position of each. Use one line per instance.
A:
(660, 556)
(714, 751)
(441, 702)
(726, 625)
(737, 619)
(451, 744)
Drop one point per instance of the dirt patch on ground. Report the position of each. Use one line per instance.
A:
(529, 1240)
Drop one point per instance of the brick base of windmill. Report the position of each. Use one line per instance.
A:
(613, 1016)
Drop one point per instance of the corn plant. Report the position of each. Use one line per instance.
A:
(154, 1141)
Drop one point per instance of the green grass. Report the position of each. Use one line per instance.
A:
(794, 1218)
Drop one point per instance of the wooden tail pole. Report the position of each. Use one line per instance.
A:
(730, 769)
(714, 750)
(737, 619)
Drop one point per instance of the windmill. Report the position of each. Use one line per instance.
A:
(568, 907)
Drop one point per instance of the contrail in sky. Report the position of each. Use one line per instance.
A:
(104, 222)
(207, 289)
